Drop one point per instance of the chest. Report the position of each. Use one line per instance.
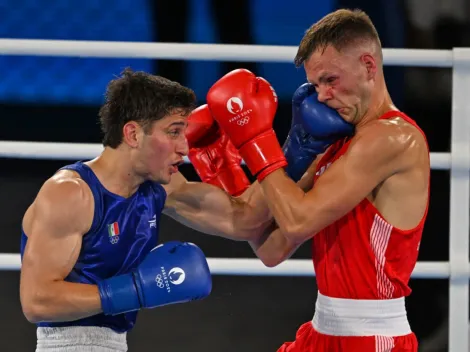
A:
(124, 236)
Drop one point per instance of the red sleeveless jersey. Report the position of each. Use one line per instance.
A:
(361, 255)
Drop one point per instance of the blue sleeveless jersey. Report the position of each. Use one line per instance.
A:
(123, 232)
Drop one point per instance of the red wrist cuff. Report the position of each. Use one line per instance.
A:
(263, 153)
(269, 169)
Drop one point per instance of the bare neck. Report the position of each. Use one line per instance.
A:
(380, 103)
(114, 170)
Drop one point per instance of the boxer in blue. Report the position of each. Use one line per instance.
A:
(90, 253)
(89, 250)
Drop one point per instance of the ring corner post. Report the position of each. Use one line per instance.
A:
(459, 203)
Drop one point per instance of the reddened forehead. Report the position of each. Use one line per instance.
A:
(331, 57)
(324, 62)
(330, 61)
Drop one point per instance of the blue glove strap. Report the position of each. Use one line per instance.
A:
(118, 295)
(300, 150)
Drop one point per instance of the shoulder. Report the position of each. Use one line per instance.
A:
(178, 181)
(65, 187)
(388, 140)
(65, 200)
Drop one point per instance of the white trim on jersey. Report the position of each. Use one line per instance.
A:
(379, 238)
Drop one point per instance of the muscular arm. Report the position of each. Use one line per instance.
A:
(55, 224)
(273, 247)
(374, 154)
(209, 209)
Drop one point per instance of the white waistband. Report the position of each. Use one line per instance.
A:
(353, 317)
(79, 338)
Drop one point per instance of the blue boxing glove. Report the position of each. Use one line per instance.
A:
(173, 272)
(315, 126)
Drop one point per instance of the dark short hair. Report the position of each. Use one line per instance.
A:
(340, 29)
(141, 97)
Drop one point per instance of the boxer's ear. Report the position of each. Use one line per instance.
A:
(370, 64)
(132, 134)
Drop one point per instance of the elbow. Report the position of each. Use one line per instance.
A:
(271, 262)
(35, 308)
(271, 259)
(32, 317)
(32, 312)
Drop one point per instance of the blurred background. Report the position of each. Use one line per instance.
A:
(57, 99)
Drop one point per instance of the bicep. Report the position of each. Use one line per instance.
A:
(347, 182)
(339, 189)
(208, 209)
(202, 207)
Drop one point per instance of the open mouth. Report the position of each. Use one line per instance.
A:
(174, 166)
(178, 163)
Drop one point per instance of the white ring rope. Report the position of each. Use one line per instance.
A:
(191, 51)
(254, 267)
(81, 151)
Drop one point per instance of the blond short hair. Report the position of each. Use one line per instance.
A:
(340, 29)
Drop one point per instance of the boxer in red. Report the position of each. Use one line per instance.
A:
(364, 199)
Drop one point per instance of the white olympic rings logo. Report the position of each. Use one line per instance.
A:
(159, 281)
(114, 239)
(243, 121)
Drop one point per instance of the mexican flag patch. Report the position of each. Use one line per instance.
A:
(113, 230)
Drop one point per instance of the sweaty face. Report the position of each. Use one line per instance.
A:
(163, 148)
(342, 81)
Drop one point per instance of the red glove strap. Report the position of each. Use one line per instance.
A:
(271, 168)
(262, 152)
(232, 180)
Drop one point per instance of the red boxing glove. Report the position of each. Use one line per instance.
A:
(213, 156)
(244, 106)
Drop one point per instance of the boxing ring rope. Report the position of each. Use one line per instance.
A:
(457, 269)
(208, 52)
(81, 151)
(254, 267)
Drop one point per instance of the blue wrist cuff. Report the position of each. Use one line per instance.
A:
(298, 166)
(118, 295)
